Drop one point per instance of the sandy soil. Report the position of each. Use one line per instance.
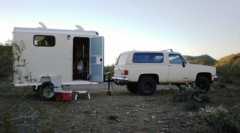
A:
(123, 112)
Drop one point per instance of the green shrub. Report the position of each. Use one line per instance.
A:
(8, 126)
(109, 70)
(228, 68)
(220, 120)
(192, 105)
(6, 62)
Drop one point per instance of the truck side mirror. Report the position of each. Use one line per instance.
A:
(184, 64)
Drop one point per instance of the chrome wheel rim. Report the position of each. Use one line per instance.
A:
(48, 92)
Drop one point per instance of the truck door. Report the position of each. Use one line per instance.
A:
(177, 70)
(96, 59)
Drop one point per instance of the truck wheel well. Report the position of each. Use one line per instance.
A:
(154, 76)
(204, 74)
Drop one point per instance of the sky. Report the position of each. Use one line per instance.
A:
(191, 27)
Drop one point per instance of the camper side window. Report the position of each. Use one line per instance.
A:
(43, 41)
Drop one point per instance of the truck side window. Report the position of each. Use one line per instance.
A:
(148, 58)
(44, 41)
(175, 59)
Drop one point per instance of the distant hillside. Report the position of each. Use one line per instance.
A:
(233, 60)
(202, 59)
(229, 67)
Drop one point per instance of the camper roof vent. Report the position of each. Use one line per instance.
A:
(80, 28)
(43, 26)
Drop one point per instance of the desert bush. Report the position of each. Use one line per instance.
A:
(189, 101)
(192, 105)
(7, 123)
(110, 70)
(228, 68)
(6, 61)
(221, 120)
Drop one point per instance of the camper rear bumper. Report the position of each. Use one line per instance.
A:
(120, 80)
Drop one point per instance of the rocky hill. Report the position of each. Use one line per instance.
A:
(202, 59)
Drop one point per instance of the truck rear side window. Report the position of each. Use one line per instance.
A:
(148, 58)
(122, 59)
(44, 41)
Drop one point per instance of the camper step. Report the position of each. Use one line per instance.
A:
(79, 94)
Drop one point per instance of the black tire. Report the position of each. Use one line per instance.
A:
(132, 87)
(146, 86)
(47, 91)
(203, 83)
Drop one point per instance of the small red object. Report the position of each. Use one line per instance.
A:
(65, 96)
(125, 72)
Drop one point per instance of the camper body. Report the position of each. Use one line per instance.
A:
(73, 56)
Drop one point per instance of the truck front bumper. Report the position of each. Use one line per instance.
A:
(120, 80)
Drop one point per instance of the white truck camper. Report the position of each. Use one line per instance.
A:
(45, 56)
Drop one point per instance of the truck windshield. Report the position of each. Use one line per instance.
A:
(176, 59)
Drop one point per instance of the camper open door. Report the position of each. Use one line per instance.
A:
(97, 59)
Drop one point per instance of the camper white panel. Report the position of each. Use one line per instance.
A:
(56, 60)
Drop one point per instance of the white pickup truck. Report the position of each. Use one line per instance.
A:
(141, 71)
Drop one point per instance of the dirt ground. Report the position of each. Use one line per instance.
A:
(123, 112)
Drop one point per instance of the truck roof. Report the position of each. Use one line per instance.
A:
(162, 51)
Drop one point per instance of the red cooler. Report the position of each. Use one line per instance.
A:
(65, 96)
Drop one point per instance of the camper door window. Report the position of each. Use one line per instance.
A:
(44, 41)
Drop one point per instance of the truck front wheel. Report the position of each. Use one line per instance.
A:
(146, 86)
(203, 83)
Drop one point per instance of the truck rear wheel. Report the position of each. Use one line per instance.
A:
(47, 91)
(132, 87)
(146, 86)
(203, 83)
